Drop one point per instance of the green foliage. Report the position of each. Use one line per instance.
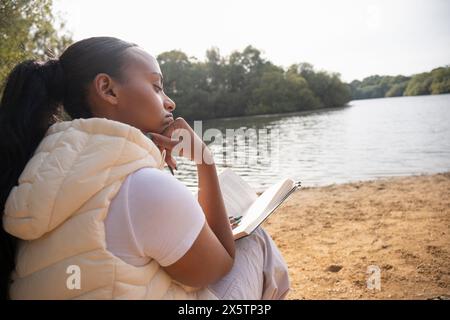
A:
(244, 83)
(441, 81)
(397, 89)
(419, 85)
(27, 31)
(435, 82)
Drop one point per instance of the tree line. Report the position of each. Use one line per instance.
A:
(244, 83)
(437, 81)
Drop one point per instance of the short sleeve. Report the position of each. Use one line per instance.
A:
(165, 217)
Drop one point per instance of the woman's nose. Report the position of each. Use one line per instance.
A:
(169, 104)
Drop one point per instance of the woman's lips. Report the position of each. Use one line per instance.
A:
(169, 119)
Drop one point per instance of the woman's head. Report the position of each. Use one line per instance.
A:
(110, 78)
(96, 77)
(137, 98)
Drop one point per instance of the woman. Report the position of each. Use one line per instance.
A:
(89, 212)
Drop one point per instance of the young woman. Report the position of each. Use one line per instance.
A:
(88, 210)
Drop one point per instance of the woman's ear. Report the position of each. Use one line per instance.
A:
(106, 88)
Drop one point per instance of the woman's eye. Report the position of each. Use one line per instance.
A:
(157, 88)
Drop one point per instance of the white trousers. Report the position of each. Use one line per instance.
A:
(259, 271)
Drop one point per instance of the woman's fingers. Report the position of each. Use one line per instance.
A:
(163, 141)
(179, 131)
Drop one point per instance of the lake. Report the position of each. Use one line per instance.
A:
(367, 139)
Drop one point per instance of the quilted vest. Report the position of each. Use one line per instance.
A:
(58, 208)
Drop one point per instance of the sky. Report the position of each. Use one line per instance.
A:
(355, 38)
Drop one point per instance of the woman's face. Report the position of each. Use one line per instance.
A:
(139, 99)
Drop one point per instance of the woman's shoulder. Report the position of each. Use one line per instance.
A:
(149, 172)
(160, 182)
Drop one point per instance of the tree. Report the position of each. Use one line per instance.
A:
(419, 85)
(397, 89)
(377, 86)
(29, 30)
(441, 80)
(328, 89)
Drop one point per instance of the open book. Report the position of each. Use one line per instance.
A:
(241, 200)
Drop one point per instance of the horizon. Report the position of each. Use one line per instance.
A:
(356, 39)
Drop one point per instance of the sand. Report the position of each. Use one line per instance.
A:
(330, 236)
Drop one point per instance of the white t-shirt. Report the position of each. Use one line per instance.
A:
(153, 216)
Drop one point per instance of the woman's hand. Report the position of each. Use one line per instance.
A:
(165, 143)
(180, 138)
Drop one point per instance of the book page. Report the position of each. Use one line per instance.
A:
(259, 210)
(237, 194)
(285, 188)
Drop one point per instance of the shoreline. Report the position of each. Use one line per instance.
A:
(261, 190)
(330, 236)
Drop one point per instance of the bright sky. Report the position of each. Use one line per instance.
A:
(356, 38)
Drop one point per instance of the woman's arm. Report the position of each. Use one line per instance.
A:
(209, 195)
(211, 201)
(212, 254)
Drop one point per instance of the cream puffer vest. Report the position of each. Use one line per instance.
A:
(58, 208)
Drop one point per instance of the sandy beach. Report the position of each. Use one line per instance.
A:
(330, 236)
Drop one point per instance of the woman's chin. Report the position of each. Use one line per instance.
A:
(166, 125)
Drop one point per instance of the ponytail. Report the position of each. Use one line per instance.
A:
(29, 105)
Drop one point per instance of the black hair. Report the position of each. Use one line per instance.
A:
(34, 97)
